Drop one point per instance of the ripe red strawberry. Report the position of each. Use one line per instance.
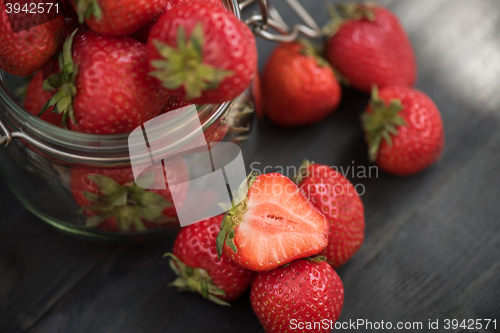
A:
(172, 3)
(27, 51)
(403, 129)
(304, 296)
(202, 53)
(118, 18)
(298, 87)
(113, 202)
(173, 104)
(107, 89)
(275, 224)
(337, 199)
(36, 98)
(195, 261)
(142, 34)
(371, 47)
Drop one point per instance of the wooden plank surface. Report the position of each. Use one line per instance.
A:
(432, 248)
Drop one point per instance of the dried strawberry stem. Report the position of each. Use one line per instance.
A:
(195, 280)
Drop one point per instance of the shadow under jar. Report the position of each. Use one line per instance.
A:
(48, 168)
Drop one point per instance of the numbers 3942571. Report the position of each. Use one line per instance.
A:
(32, 8)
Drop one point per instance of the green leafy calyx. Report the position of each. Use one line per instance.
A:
(343, 12)
(381, 123)
(195, 280)
(64, 83)
(303, 171)
(309, 49)
(184, 67)
(234, 216)
(129, 204)
(87, 9)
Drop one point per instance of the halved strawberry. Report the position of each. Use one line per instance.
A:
(274, 225)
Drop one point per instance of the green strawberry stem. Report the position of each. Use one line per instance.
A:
(184, 67)
(88, 8)
(381, 123)
(233, 218)
(343, 12)
(194, 280)
(63, 83)
(302, 171)
(317, 258)
(309, 49)
(129, 204)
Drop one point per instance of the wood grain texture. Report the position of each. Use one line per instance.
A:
(432, 248)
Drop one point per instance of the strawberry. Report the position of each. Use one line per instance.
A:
(199, 270)
(337, 199)
(273, 225)
(142, 34)
(23, 53)
(370, 46)
(306, 295)
(298, 87)
(173, 104)
(36, 98)
(112, 201)
(202, 53)
(118, 17)
(403, 129)
(104, 87)
(215, 133)
(172, 3)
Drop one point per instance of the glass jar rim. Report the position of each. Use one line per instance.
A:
(84, 148)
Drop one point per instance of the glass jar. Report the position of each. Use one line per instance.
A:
(47, 167)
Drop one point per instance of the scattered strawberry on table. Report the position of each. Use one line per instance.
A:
(273, 225)
(194, 259)
(24, 52)
(299, 86)
(368, 45)
(137, 59)
(201, 53)
(301, 293)
(403, 129)
(337, 199)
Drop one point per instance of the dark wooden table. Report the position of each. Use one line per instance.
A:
(432, 248)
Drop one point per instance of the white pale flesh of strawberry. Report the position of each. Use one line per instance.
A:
(280, 223)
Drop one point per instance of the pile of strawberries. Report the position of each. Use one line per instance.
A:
(122, 63)
(108, 66)
(367, 49)
(117, 64)
(284, 239)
